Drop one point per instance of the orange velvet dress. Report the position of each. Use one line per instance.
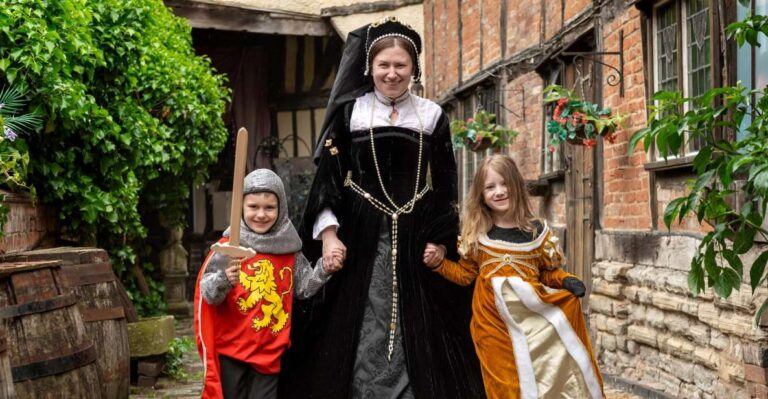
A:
(529, 334)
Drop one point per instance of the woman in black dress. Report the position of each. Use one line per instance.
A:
(385, 327)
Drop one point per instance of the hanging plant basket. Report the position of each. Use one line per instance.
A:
(580, 137)
(480, 133)
(478, 146)
(578, 122)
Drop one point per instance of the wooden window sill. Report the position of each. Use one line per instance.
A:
(685, 162)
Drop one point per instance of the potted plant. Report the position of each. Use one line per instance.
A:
(577, 121)
(480, 132)
(14, 157)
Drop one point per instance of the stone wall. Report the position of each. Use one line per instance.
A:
(650, 330)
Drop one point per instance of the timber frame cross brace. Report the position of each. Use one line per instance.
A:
(616, 76)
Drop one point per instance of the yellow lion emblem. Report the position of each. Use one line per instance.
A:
(262, 286)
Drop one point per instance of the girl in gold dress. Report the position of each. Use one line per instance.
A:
(527, 324)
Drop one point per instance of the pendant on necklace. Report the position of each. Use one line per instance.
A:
(393, 115)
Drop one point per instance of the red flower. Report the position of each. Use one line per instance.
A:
(551, 148)
(589, 143)
(470, 120)
(611, 138)
(561, 102)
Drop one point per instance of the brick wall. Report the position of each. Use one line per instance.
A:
(28, 225)
(524, 26)
(627, 199)
(441, 46)
(470, 37)
(648, 329)
(526, 148)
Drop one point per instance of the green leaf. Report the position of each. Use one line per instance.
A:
(710, 266)
(701, 161)
(745, 238)
(734, 262)
(639, 135)
(696, 277)
(672, 210)
(757, 269)
(729, 280)
(759, 314)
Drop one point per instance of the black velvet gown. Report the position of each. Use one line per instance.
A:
(434, 314)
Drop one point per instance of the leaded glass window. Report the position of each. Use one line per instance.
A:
(683, 51)
(666, 47)
(698, 68)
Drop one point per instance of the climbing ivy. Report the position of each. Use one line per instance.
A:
(132, 114)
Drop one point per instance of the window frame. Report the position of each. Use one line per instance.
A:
(467, 104)
(682, 65)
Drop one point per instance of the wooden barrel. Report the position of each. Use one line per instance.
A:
(6, 378)
(88, 274)
(51, 354)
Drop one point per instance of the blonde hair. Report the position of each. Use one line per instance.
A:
(476, 216)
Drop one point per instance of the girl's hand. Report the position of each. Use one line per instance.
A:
(233, 272)
(575, 286)
(433, 255)
(334, 251)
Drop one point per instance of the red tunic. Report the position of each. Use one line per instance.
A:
(252, 324)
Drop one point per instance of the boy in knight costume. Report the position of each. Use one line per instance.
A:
(243, 308)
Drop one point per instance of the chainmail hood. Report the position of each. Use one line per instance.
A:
(282, 238)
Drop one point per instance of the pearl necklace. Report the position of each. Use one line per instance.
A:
(392, 213)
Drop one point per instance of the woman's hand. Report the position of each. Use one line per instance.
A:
(336, 265)
(334, 251)
(433, 255)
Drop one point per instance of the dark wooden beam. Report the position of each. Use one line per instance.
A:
(363, 8)
(318, 99)
(482, 22)
(210, 16)
(461, 62)
(503, 31)
(327, 60)
(300, 64)
(294, 122)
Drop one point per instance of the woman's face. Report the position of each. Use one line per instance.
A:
(392, 69)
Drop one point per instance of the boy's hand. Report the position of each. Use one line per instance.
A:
(233, 272)
(433, 255)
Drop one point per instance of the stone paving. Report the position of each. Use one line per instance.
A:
(167, 388)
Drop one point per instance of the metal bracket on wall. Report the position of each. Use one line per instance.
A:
(616, 76)
(520, 115)
(521, 90)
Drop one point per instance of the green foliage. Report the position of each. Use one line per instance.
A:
(578, 121)
(731, 188)
(174, 366)
(480, 132)
(14, 157)
(132, 115)
(151, 303)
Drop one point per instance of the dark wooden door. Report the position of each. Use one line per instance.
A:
(580, 183)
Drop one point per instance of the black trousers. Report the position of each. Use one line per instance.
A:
(240, 381)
